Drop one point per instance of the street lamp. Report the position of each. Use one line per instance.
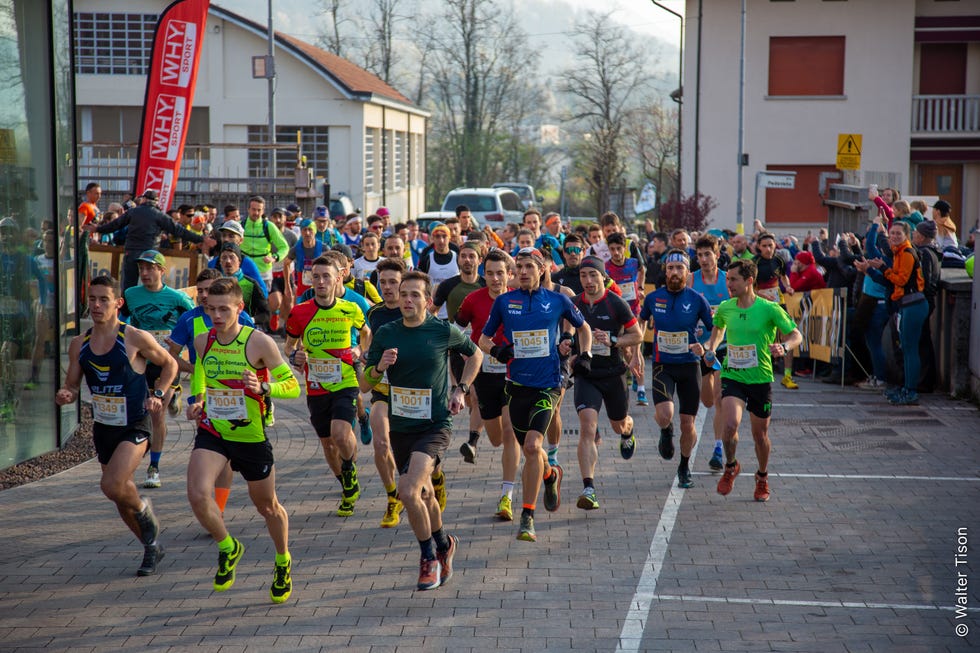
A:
(678, 95)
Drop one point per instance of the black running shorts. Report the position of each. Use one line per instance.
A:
(432, 443)
(341, 405)
(611, 390)
(253, 460)
(756, 396)
(531, 409)
(489, 388)
(106, 438)
(685, 378)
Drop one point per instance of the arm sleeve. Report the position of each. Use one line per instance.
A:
(197, 377)
(285, 385)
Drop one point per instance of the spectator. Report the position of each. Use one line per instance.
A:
(945, 227)
(804, 274)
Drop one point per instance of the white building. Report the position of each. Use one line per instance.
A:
(365, 138)
(904, 74)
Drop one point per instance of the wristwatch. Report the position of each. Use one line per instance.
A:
(587, 355)
(158, 394)
(264, 389)
(464, 387)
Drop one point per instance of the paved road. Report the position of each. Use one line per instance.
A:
(854, 552)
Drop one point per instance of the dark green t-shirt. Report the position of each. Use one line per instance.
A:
(419, 379)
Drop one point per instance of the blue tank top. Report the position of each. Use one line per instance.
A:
(715, 293)
(111, 376)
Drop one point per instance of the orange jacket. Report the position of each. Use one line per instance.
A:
(898, 274)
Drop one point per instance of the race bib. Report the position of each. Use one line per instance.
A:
(307, 277)
(741, 357)
(324, 370)
(110, 411)
(599, 349)
(629, 291)
(672, 342)
(411, 403)
(227, 404)
(160, 337)
(772, 294)
(492, 366)
(532, 344)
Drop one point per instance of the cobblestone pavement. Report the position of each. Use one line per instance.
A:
(856, 550)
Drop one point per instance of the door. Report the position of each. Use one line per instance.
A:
(946, 181)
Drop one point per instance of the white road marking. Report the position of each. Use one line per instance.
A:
(816, 604)
(868, 477)
(631, 635)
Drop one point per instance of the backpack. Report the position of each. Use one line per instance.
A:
(265, 232)
(931, 273)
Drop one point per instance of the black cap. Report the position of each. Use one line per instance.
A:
(150, 195)
(234, 248)
(943, 206)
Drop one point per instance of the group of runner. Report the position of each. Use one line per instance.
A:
(405, 372)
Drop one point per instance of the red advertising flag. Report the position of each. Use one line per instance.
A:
(169, 97)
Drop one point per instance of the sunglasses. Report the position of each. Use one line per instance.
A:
(573, 250)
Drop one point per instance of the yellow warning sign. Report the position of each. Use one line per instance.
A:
(8, 146)
(848, 151)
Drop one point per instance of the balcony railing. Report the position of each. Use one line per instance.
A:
(945, 114)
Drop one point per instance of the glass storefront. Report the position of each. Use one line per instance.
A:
(37, 252)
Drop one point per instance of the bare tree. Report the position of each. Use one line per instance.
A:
(332, 40)
(379, 53)
(653, 134)
(605, 86)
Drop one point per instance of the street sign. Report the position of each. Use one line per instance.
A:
(848, 151)
(770, 180)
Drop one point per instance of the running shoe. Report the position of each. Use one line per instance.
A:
(152, 554)
(666, 444)
(174, 406)
(148, 524)
(552, 489)
(345, 508)
(717, 463)
(152, 477)
(789, 383)
(905, 398)
(366, 433)
(30, 385)
(761, 488)
(446, 560)
(588, 500)
(684, 478)
(440, 491)
(469, 452)
(641, 398)
(430, 574)
(627, 446)
(635, 384)
(553, 457)
(227, 562)
(392, 513)
(282, 582)
(892, 394)
(526, 532)
(871, 383)
(504, 510)
(727, 480)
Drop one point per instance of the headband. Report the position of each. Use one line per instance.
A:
(677, 257)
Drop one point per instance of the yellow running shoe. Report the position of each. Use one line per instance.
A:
(392, 513)
(282, 583)
(789, 383)
(504, 510)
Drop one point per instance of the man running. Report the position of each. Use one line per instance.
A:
(628, 274)
(772, 274)
(490, 382)
(614, 331)
(318, 340)
(113, 356)
(675, 311)
(228, 403)
(414, 352)
(532, 317)
(155, 307)
(746, 375)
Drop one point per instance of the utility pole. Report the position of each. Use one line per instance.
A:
(739, 221)
(680, 95)
(272, 102)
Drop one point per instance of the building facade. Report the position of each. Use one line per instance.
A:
(37, 181)
(359, 135)
(904, 75)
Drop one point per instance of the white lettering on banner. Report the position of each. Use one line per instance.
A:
(532, 344)
(672, 342)
(742, 357)
(160, 180)
(411, 403)
(178, 53)
(226, 404)
(167, 127)
(110, 411)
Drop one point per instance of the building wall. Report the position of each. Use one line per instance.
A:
(876, 102)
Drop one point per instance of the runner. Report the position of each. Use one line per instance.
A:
(614, 330)
(155, 307)
(228, 403)
(189, 326)
(772, 274)
(628, 274)
(489, 383)
(440, 262)
(302, 255)
(390, 273)
(532, 318)
(413, 353)
(318, 341)
(746, 374)
(674, 311)
(112, 356)
(710, 282)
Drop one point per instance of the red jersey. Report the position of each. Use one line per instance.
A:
(474, 311)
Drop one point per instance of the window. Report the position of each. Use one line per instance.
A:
(370, 136)
(315, 145)
(113, 44)
(417, 153)
(399, 180)
(802, 203)
(806, 65)
(511, 202)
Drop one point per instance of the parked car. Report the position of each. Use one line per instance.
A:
(489, 206)
(427, 219)
(341, 206)
(524, 191)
